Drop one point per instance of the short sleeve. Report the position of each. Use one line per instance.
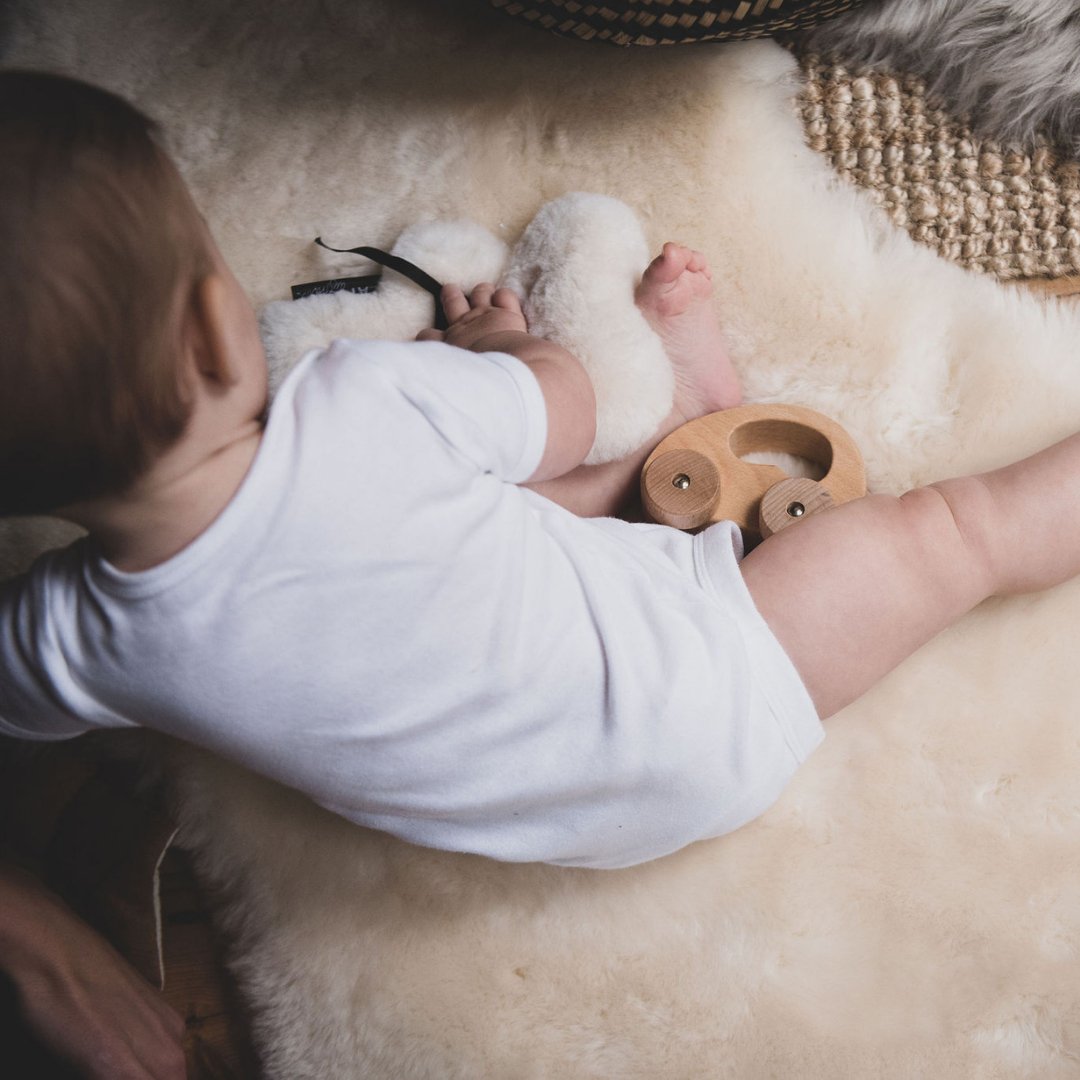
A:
(27, 709)
(488, 406)
(54, 732)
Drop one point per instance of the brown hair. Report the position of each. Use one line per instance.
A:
(100, 247)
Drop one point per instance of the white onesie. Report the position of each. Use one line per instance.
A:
(382, 619)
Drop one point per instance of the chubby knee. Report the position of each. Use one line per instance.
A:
(950, 528)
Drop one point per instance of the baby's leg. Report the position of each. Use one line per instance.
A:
(852, 592)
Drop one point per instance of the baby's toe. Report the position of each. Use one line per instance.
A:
(667, 266)
(698, 264)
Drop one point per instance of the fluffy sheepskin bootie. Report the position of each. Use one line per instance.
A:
(576, 267)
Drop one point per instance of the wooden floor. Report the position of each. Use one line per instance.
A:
(1067, 286)
(216, 1042)
(196, 983)
(85, 827)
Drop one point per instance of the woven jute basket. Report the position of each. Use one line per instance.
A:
(1004, 211)
(671, 22)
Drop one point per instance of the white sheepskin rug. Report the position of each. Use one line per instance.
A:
(911, 906)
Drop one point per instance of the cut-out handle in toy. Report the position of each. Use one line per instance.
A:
(697, 475)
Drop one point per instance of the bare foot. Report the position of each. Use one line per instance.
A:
(675, 296)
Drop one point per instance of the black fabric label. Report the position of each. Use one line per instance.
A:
(366, 284)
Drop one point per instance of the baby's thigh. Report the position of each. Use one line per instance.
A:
(851, 592)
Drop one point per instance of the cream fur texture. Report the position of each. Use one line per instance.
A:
(911, 906)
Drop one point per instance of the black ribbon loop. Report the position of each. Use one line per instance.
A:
(403, 267)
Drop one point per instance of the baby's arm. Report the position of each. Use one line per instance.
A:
(491, 320)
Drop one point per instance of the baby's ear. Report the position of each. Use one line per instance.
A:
(211, 333)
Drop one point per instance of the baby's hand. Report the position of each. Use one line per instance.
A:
(486, 314)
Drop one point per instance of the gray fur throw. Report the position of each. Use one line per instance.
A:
(1011, 66)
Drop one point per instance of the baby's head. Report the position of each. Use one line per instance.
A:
(102, 249)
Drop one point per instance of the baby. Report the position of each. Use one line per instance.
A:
(397, 590)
